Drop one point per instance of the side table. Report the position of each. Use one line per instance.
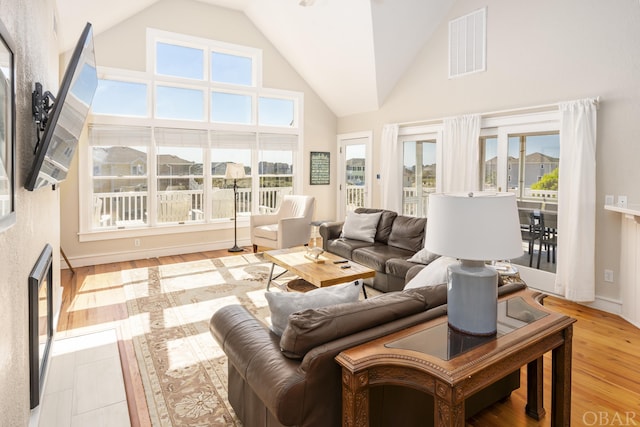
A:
(431, 358)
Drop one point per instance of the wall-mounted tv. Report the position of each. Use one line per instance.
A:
(63, 121)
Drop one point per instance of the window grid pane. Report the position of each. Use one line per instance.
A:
(179, 61)
(179, 103)
(489, 147)
(275, 112)
(119, 186)
(233, 69)
(120, 98)
(275, 169)
(222, 197)
(230, 108)
(418, 181)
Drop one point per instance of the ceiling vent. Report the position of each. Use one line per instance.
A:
(468, 44)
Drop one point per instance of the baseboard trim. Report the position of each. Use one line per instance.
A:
(121, 256)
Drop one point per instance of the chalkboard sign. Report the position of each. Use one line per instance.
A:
(320, 167)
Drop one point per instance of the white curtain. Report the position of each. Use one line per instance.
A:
(461, 154)
(391, 165)
(575, 273)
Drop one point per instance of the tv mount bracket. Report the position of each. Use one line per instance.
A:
(42, 103)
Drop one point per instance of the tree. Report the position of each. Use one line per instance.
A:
(549, 181)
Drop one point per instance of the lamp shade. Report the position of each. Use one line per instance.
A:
(234, 171)
(478, 226)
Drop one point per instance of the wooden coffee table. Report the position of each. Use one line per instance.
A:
(318, 274)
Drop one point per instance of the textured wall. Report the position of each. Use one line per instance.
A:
(30, 24)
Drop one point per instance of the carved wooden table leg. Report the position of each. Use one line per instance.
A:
(449, 406)
(561, 381)
(355, 398)
(535, 381)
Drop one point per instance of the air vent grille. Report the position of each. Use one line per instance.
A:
(468, 43)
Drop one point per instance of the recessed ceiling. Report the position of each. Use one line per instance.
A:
(351, 52)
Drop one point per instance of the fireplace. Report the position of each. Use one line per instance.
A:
(40, 321)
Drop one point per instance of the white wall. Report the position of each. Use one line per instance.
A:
(30, 24)
(123, 46)
(539, 53)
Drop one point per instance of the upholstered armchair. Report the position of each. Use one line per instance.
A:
(289, 226)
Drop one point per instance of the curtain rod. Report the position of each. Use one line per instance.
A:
(498, 113)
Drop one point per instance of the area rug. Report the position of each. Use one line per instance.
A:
(183, 370)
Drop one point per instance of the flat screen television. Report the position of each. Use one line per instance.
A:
(66, 117)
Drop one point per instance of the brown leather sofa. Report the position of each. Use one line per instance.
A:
(397, 239)
(294, 380)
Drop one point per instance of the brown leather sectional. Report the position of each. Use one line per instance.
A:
(397, 239)
(294, 380)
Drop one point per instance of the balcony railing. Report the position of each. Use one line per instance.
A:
(414, 204)
(355, 196)
(125, 209)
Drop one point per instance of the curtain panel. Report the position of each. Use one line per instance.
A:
(461, 154)
(391, 166)
(575, 274)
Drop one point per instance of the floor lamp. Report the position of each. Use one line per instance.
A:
(235, 171)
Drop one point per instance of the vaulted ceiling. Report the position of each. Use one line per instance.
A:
(351, 52)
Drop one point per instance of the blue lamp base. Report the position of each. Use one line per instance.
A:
(472, 298)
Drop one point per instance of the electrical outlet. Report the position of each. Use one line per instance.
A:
(608, 276)
(136, 242)
(608, 200)
(622, 201)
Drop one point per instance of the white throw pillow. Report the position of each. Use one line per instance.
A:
(423, 256)
(282, 304)
(361, 226)
(433, 274)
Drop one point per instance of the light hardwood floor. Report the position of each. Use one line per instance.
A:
(605, 351)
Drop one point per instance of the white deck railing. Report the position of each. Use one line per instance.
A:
(120, 209)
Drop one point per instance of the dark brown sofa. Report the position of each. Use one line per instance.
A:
(294, 380)
(397, 239)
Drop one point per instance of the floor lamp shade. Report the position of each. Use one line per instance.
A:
(235, 171)
(473, 227)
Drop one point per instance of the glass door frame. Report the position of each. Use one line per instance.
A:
(344, 140)
(538, 279)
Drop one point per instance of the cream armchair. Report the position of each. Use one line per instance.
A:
(289, 226)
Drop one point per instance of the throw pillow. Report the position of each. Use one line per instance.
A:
(282, 304)
(423, 256)
(433, 274)
(361, 226)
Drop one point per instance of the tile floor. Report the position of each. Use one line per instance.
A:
(84, 385)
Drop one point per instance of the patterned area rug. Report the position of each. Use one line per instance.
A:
(183, 370)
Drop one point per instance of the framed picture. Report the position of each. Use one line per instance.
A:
(7, 130)
(320, 168)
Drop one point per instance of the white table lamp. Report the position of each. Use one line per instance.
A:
(473, 227)
(235, 171)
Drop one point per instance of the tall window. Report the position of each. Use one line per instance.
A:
(418, 176)
(201, 106)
